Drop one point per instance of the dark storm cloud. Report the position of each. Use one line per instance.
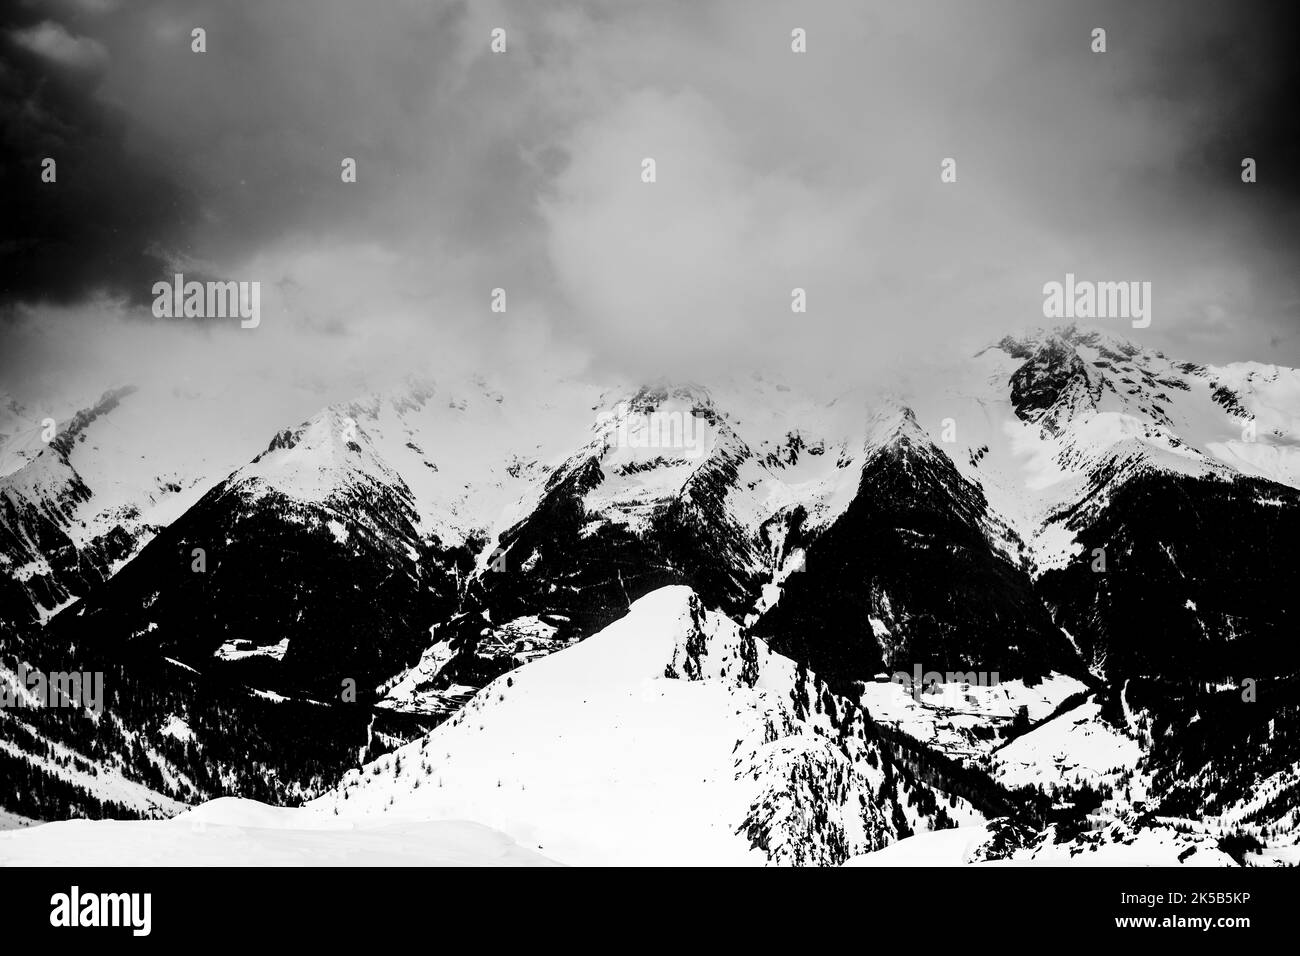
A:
(1235, 66)
(1239, 69)
(521, 170)
(94, 228)
(1216, 82)
(167, 157)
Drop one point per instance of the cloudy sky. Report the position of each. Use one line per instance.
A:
(522, 170)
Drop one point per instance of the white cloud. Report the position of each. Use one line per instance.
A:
(52, 41)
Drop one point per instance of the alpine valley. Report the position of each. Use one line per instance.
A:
(665, 623)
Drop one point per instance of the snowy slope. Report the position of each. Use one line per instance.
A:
(1073, 748)
(234, 832)
(966, 720)
(967, 846)
(666, 738)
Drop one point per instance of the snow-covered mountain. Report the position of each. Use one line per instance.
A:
(1080, 539)
(668, 736)
(82, 496)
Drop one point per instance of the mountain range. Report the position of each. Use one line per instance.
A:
(667, 622)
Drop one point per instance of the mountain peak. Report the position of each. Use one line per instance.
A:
(1068, 338)
(320, 457)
